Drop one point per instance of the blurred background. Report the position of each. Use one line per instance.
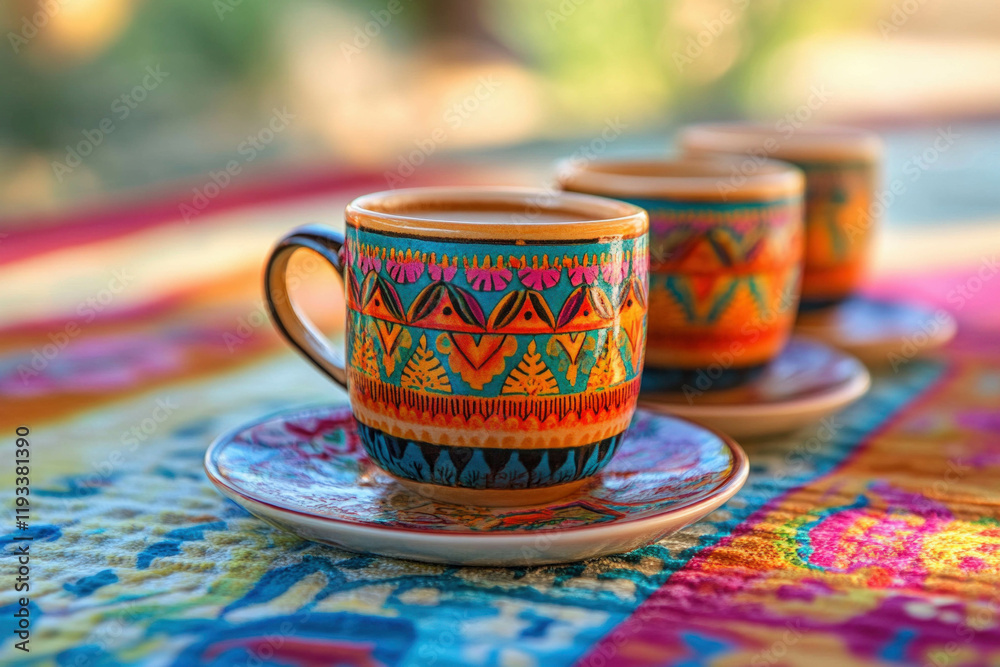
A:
(110, 101)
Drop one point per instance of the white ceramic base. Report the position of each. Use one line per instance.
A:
(667, 474)
(879, 332)
(808, 381)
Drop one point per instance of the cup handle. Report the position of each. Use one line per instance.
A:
(289, 322)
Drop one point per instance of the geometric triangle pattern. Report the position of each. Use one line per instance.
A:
(485, 467)
(456, 336)
(724, 281)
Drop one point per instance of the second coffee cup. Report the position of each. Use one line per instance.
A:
(726, 251)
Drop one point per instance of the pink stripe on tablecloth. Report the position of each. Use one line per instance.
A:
(38, 235)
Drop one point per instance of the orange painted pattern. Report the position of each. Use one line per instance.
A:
(567, 420)
(839, 227)
(724, 284)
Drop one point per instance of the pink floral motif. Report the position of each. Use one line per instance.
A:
(369, 260)
(614, 267)
(405, 268)
(582, 273)
(488, 277)
(538, 277)
(442, 270)
(640, 263)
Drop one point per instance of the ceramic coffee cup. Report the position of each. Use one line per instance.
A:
(840, 166)
(494, 336)
(725, 262)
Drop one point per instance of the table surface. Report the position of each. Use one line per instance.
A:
(131, 340)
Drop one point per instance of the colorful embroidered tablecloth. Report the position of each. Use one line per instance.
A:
(130, 341)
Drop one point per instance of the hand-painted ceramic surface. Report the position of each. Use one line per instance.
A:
(495, 345)
(839, 228)
(880, 332)
(724, 280)
(725, 258)
(806, 382)
(306, 471)
(487, 351)
(841, 170)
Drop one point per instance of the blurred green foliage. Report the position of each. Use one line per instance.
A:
(47, 101)
(228, 66)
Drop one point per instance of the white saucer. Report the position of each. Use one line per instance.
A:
(808, 381)
(879, 332)
(305, 471)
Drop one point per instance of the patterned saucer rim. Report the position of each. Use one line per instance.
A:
(845, 392)
(490, 549)
(819, 326)
(727, 488)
